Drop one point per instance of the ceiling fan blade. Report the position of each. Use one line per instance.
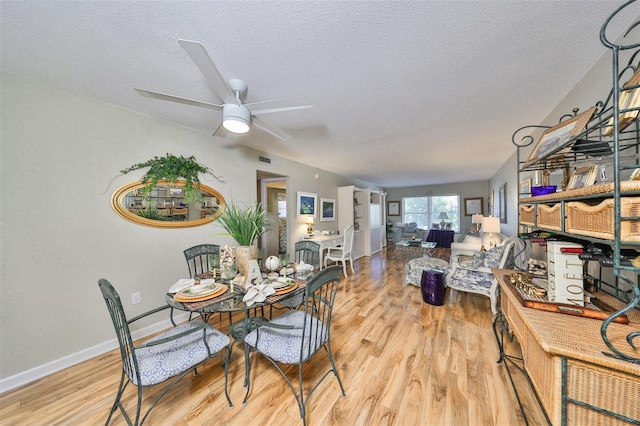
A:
(270, 128)
(217, 129)
(270, 110)
(171, 98)
(203, 61)
(279, 103)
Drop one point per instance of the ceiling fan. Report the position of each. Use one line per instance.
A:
(236, 116)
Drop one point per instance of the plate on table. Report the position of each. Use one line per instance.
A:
(279, 283)
(181, 285)
(198, 292)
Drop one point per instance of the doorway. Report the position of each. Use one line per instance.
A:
(272, 193)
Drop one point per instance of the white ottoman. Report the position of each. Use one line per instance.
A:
(413, 269)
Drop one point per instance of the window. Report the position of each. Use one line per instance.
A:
(425, 211)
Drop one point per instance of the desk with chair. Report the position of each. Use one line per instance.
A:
(325, 242)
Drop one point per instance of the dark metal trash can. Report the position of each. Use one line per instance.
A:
(432, 285)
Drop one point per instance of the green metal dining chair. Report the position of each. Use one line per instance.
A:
(170, 355)
(309, 253)
(202, 258)
(297, 335)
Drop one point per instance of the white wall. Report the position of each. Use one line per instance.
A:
(60, 157)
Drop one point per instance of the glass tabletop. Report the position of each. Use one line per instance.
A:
(231, 301)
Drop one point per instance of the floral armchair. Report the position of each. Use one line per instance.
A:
(473, 274)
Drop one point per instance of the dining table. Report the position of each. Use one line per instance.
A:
(230, 299)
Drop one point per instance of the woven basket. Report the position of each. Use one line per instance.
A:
(597, 221)
(527, 215)
(550, 217)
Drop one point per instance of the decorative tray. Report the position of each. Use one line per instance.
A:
(529, 298)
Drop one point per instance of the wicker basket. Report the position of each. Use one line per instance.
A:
(550, 217)
(527, 215)
(597, 221)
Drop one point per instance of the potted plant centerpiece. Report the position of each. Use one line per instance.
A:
(244, 223)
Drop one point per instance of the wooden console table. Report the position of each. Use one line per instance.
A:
(563, 357)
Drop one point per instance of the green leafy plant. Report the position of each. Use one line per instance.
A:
(151, 213)
(172, 168)
(244, 223)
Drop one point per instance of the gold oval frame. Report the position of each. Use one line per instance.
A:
(122, 211)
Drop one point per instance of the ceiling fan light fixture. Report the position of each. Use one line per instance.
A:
(236, 118)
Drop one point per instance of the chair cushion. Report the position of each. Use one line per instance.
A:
(488, 259)
(161, 362)
(283, 345)
(471, 281)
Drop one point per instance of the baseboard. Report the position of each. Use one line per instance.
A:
(26, 377)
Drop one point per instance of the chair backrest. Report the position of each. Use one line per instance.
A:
(121, 326)
(515, 255)
(320, 295)
(507, 260)
(348, 240)
(200, 259)
(308, 252)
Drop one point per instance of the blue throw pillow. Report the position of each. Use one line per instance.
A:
(493, 257)
(478, 259)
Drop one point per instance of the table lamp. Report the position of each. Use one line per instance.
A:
(443, 216)
(310, 225)
(476, 219)
(491, 224)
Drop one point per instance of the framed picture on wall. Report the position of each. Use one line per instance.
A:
(525, 187)
(557, 139)
(307, 204)
(473, 206)
(492, 211)
(393, 208)
(502, 203)
(327, 209)
(629, 99)
(585, 176)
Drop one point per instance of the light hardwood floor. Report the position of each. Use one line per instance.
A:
(402, 362)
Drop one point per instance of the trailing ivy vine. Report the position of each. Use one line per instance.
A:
(172, 168)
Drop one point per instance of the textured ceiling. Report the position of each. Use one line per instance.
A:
(404, 93)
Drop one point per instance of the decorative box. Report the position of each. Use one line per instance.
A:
(565, 274)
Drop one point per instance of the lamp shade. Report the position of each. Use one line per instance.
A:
(236, 118)
(443, 215)
(491, 224)
(309, 221)
(476, 218)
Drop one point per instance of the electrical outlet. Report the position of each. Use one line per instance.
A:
(136, 298)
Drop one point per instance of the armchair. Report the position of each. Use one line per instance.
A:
(406, 231)
(475, 276)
